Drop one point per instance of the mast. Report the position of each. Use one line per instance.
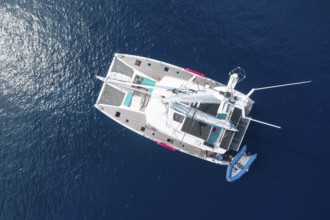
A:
(233, 80)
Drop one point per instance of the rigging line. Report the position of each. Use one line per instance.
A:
(182, 87)
(190, 125)
(190, 82)
(197, 83)
(169, 122)
(225, 135)
(175, 130)
(167, 118)
(205, 82)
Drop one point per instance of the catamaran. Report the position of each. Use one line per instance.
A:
(181, 109)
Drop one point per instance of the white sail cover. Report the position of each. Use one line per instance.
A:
(202, 116)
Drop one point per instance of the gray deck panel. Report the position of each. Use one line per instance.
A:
(211, 109)
(196, 128)
(238, 137)
(111, 96)
(236, 116)
(226, 140)
(120, 67)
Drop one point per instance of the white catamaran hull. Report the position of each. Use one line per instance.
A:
(180, 109)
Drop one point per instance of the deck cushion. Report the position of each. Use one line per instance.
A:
(128, 99)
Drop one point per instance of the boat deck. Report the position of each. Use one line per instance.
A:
(127, 108)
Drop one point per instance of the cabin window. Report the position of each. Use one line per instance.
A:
(166, 69)
(137, 62)
(177, 117)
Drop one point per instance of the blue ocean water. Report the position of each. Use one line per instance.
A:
(62, 159)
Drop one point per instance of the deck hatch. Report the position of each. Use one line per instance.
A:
(138, 62)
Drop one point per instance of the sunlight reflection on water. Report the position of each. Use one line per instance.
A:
(35, 58)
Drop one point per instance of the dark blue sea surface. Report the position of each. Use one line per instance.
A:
(62, 159)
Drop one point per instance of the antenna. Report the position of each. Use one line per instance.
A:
(277, 86)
